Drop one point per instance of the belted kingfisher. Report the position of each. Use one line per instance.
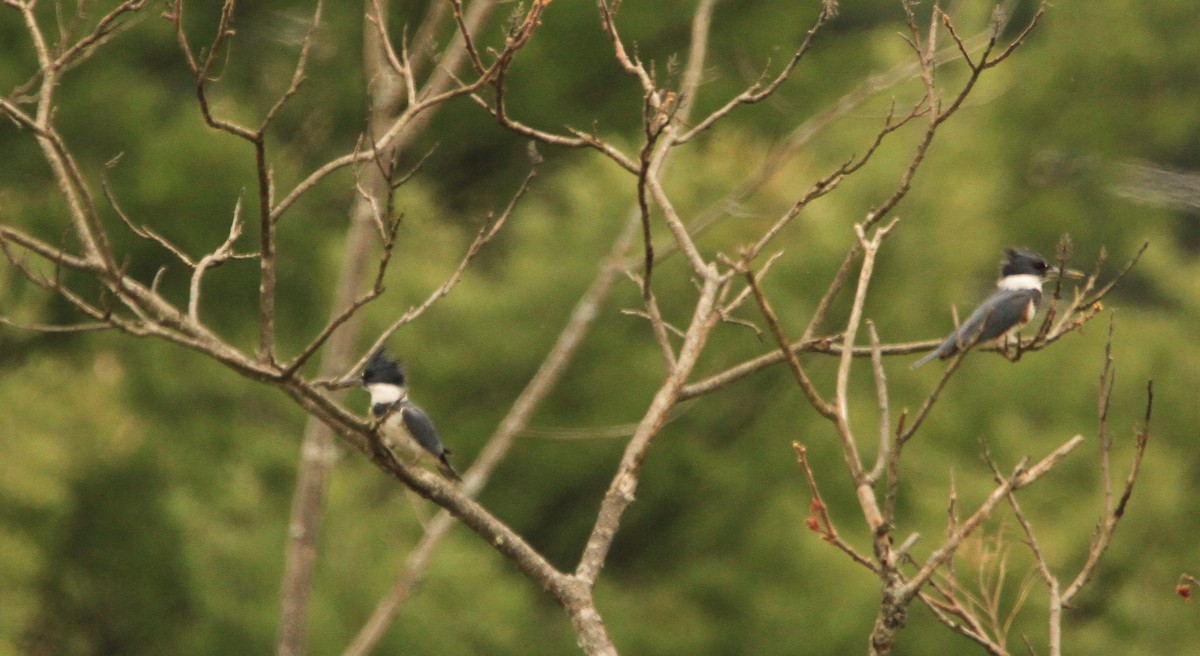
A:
(1011, 306)
(405, 426)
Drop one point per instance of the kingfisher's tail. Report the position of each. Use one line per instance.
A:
(935, 353)
(446, 469)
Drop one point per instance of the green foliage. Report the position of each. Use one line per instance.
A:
(99, 596)
(144, 490)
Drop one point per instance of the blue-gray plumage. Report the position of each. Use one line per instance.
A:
(405, 425)
(1011, 306)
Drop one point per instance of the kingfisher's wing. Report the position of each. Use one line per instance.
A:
(420, 426)
(999, 313)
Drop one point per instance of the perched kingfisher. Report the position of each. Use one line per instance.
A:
(406, 427)
(1013, 304)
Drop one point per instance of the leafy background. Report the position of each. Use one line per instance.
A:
(144, 491)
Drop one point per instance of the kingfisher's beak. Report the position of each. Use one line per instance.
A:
(344, 384)
(1073, 274)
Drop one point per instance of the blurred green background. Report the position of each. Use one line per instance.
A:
(144, 490)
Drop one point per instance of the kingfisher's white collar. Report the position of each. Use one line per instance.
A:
(1020, 281)
(386, 393)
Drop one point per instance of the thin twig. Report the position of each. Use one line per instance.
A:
(819, 521)
(486, 233)
(624, 484)
(297, 73)
(810, 391)
(1022, 476)
(221, 254)
(758, 92)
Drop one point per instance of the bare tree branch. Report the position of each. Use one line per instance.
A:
(620, 492)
